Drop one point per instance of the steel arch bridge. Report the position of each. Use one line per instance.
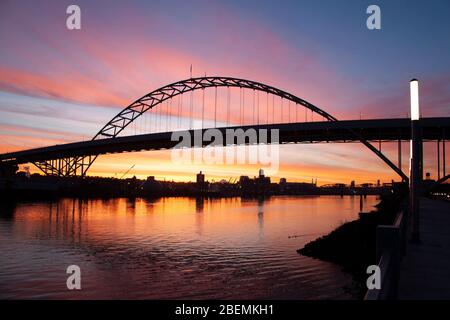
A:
(71, 166)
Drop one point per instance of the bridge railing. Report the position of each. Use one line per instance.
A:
(391, 241)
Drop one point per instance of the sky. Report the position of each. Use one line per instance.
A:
(59, 85)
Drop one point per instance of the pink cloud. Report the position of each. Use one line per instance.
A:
(104, 67)
(80, 88)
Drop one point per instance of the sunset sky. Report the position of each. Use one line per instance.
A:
(59, 85)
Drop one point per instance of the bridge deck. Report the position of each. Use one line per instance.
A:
(303, 132)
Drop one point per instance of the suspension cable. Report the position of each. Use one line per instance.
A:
(172, 126)
(273, 108)
(191, 118)
(258, 108)
(253, 117)
(145, 122)
(153, 120)
(167, 115)
(203, 108)
(240, 106)
(289, 109)
(158, 112)
(215, 108)
(243, 107)
(228, 105)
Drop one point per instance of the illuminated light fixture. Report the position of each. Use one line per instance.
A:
(414, 90)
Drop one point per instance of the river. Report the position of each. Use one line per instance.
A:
(173, 248)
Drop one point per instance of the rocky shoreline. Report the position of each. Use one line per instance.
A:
(352, 245)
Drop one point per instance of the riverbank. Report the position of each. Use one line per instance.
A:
(35, 187)
(352, 245)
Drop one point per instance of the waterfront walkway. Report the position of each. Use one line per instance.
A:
(425, 270)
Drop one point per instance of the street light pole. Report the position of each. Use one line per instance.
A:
(416, 166)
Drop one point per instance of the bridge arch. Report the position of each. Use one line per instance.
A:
(156, 97)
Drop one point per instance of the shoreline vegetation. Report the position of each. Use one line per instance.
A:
(352, 245)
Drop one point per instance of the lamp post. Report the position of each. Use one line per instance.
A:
(416, 161)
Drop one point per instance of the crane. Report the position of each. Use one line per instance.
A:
(129, 169)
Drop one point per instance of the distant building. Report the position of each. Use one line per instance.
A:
(244, 180)
(200, 178)
(201, 183)
(262, 179)
(283, 181)
(262, 183)
(258, 185)
(352, 184)
(261, 173)
(151, 185)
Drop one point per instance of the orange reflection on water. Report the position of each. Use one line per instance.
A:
(173, 247)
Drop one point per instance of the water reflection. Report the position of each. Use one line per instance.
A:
(172, 247)
(261, 217)
(199, 204)
(199, 217)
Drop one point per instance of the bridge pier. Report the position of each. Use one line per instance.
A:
(64, 167)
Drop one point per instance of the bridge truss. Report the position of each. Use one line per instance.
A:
(79, 165)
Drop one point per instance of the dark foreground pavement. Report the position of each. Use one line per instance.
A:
(425, 270)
